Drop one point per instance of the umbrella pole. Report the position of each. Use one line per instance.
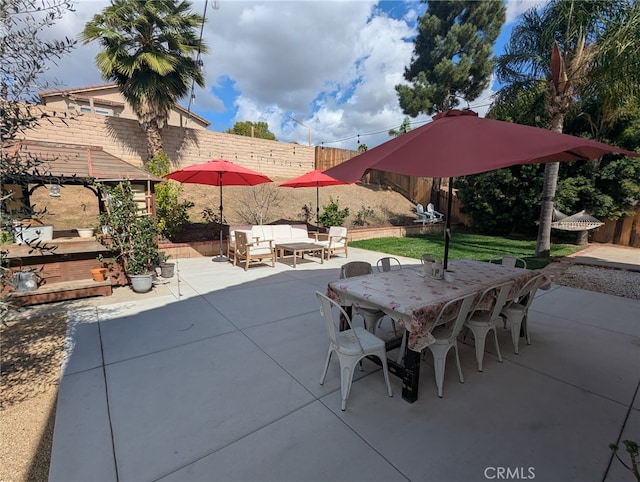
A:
(447, 229)
(317, 208)
(220, 258)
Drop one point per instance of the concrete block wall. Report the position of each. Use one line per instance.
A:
(125, 139)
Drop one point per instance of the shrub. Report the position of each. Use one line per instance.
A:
(362, 215)
(172, 214)
(332, 215)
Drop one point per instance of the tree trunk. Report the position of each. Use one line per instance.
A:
(550, 183)
(582, 238)
(154, 141)
(543, 245)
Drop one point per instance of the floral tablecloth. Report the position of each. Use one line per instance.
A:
(414, 300)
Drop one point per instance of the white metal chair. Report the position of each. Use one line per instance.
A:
(516, 310)
(427, 258)
(481, 322)
(446, 336)
(510, 261)
(351, 346)
(433, 215)
(371, 316)
(386, 264)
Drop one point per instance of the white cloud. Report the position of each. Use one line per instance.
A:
(332, 65)
(515, 8)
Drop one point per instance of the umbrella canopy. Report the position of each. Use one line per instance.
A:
(459, 143)
(218, 172)
(315, 179)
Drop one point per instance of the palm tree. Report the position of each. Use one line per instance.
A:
(579, 48)
(152, 51)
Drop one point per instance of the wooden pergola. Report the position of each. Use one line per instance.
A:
(73, 164)
(64, 265)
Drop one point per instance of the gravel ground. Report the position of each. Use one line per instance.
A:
(30, 371)
(615, 282)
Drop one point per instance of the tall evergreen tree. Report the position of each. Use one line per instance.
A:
(151, 51)
(452, 55)
(580, 49)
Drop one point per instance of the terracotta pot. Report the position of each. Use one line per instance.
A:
(98, 274)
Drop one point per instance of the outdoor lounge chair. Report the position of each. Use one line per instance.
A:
(351, 346)
(433, 216)
(422, 215)
(248, 252)
(336, 241)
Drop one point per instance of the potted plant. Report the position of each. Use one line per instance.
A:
(87, 231)
(166, 269)
(132, 235)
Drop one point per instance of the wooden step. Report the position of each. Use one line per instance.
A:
(66, 290)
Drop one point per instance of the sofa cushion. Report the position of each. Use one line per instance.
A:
(281, 232)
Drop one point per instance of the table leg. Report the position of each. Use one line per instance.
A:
(411, 376)
(322, 256)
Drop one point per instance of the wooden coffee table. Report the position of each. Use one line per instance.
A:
(298, 249)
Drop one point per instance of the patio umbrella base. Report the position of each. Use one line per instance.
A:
(219, 259)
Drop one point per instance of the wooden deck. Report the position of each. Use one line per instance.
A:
(64, 270)
(69, 290)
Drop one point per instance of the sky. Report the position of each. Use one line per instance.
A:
(324, 70)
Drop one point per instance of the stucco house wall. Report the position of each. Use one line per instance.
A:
(107, 100)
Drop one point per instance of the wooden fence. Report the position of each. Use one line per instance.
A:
(625, 231)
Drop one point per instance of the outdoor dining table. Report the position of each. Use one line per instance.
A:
(414, 299)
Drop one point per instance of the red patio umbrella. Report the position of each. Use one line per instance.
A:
(315, 179)
(458, 143)
(218, 172)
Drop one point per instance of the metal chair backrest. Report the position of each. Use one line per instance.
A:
(500, 294)
(528, 291)
(385, 264)
(326, 306)
(513, 261)
(509, 261)
(427, 258)
(355, 268)
(460, 308)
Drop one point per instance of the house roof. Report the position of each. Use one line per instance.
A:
(85, 93)
(74, 164)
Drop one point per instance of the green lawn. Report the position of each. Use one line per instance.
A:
(468, 246)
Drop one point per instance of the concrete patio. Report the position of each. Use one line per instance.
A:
(215, 376)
